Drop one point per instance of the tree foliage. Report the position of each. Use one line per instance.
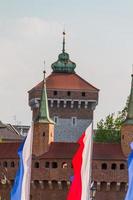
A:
(108, 130)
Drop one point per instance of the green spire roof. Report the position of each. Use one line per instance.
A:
(43, 115)
(63, 64)
(129, 119)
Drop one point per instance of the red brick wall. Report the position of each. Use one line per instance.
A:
(126, 138)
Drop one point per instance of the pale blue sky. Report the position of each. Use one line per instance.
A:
(99, 39)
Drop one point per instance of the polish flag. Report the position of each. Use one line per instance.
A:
(80, 188)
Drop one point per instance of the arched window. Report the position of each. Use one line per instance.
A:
(122, 166)
(54, 165)
(113, 166)
(4, 164)
(64, 165)
(104, 166)
(12, 164)
(47, 164)
(36, 164)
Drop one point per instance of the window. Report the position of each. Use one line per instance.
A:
(5, 164)
(36, 165)
(74, 121)
(113, 166)
(104, 166)
(56, 119)
(54, 165)
(122, 166)
(43, 134)
(12, 164)
(64, 165)
(68, 93)
(83, 94)
(55, 93)
(47, 164)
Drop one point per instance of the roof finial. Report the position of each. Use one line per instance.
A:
(63, 50)
(44, 72)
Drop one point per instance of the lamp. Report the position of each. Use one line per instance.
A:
(3, 177)
(93, 191)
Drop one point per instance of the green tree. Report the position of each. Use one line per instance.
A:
(108, 130)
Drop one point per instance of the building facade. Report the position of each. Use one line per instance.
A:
(71, 99)
(68, 105)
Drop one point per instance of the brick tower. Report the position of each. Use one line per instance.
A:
(43, 133)
(127, 128)
(71, 99)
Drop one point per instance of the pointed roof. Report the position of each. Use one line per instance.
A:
(129, 119)
(43, 114)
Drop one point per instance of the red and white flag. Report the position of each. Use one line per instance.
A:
(80, 188)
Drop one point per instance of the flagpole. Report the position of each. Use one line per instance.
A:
(91, 161)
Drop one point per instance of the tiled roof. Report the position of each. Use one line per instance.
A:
(62, 150)
(63, 81)
(107, 151)
(101, 151)
(9, 150)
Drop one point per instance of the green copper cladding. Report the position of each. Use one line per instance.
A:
(43, 115)
(63, 64)
(129, 119)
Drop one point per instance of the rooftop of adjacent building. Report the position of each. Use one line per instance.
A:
(9, 133)
(63, 150)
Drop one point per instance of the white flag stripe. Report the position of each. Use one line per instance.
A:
(86, 164)
(27, 158)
